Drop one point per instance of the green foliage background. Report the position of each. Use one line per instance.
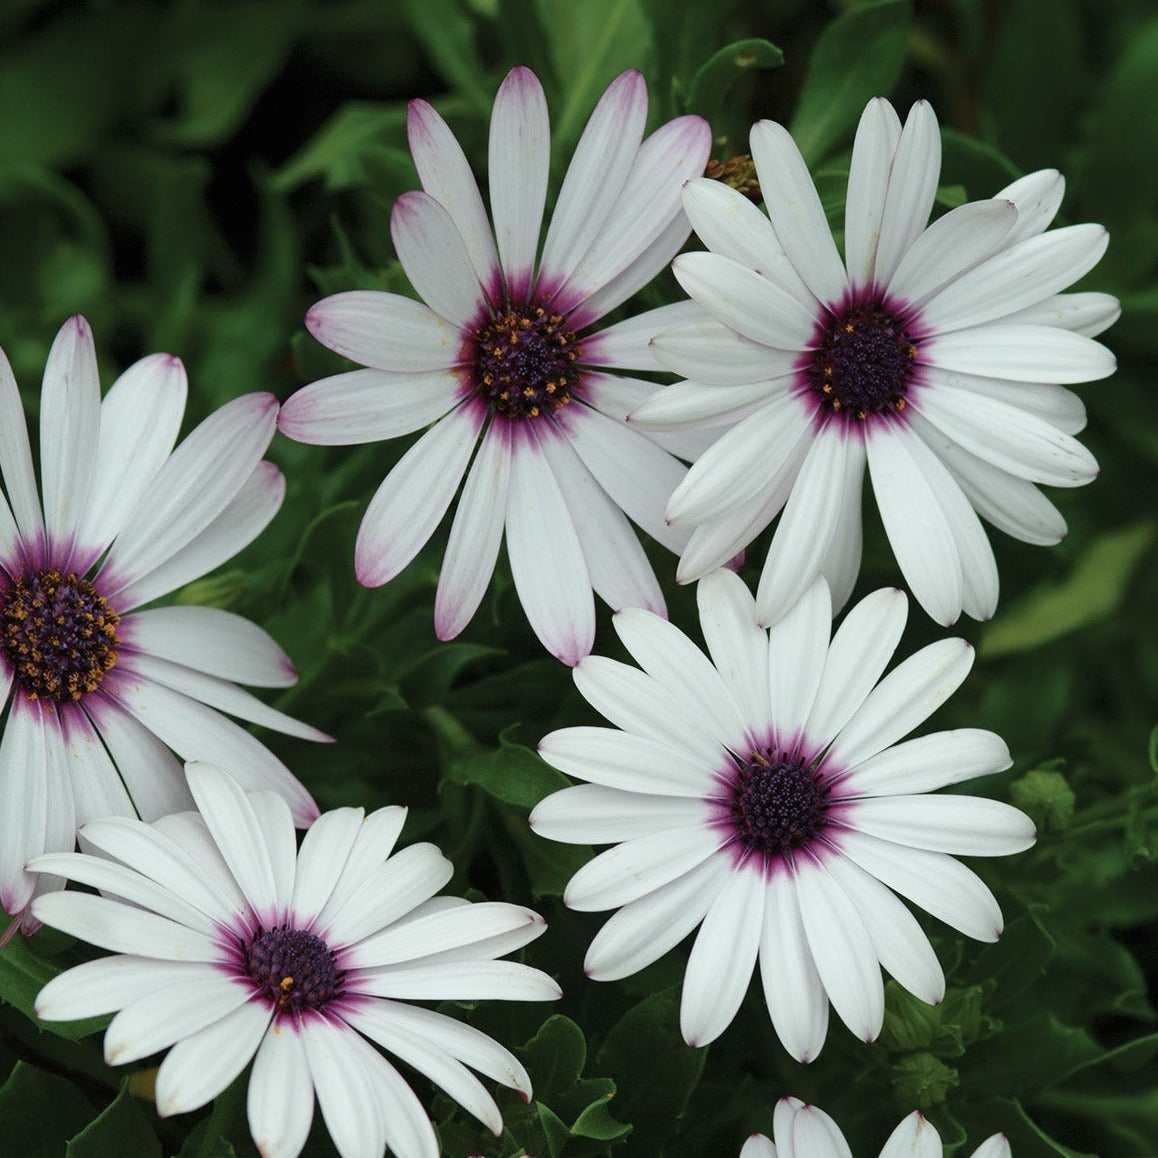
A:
(193, 175)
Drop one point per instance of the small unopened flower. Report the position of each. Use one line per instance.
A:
(232, 945)
(803, 1131)
(762, 795)
(103, 698)
(932, 354)
(500, 362)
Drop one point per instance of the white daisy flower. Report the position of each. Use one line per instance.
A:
(234, 945)
(762, 794)
(932, 354)
(100, 694)
(804, 1131)
(500, 358)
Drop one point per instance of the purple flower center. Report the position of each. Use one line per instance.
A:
(776, 803)
(524, 361)
(58, 634)
(294, 970)
(863, 362)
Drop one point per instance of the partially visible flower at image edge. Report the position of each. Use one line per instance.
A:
(762, 795)
(803, 1131)
(930, 354)
(234, 945)
(104, 698)
(498, 356)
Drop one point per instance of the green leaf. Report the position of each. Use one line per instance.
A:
(447, 34)
(23, 975)
(511, 773)
(711, 83)
(205, 1141)
(1093, 591)
(121, 1129)
(1027, 1138)
(858, 56)
(653, 1069)
(596, 1122)
(40, 1112)
(1045, 795)
(359, 136)
(1017, 961)
(977, 166)
(922, 1080)
(591, 43)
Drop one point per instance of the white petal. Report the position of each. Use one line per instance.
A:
(434, 256)
(95, 786)
(814, 1133)
(197, 732)
(638, 475)
(953, 244)
(809, 520)
(1025, 353)
(475, 534)
(1007, 437)
(637, 867)
(738, 647)
(745, 301)
(841, 563)
(203, 1064)
(873, 149)
(367, 406)
(906, 697)
(546, 560)
(912, 189)
(216, 642)
(1017, 277)
(139, 422)
(16, 459)
(959, 825)
(280, 1097)
(746, 462)
(1056, 405)
(122, 928)
(635, 702)
(238, 833)
(617, 564)
(69, 429)
(995, 1146)
(321, 860)
(645, 929)
(367, 856)
(626, 344)
(277, 827)
(797, 649)
(344, 1079)
(385, 331)
(461, 981)
(630, 763)
(518, 161)
(1038, 196)
(23, 819)
(928, 763)
(793, 991)
(595, 176)
(1084, 313)
(722, 958)
(757, 1146)
(413, 497)
(593, 814)
(667, 655)
(446, 175)
(244, 517)
(842, 950)
(192, 488)
(915, 522)
(900, 944)
(914, 1137)
(794, 207)
(110, 983)
(711, 352)
(937, 883)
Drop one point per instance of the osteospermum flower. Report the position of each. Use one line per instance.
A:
(804, 1131)
(762, 795)
(100, 694)
(501, 357)
(931, 354)
(233, 945)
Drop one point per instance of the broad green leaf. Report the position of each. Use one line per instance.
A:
(981, 169)
(40, 1112)
(711, 83)
(1046, 796)
(1093, 591)
(23, 975)
(1028, 1140)
(858, 56)
(511, 773)
(448, 35)
(122, 1129)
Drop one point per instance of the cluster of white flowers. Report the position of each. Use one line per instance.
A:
(764, 792)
